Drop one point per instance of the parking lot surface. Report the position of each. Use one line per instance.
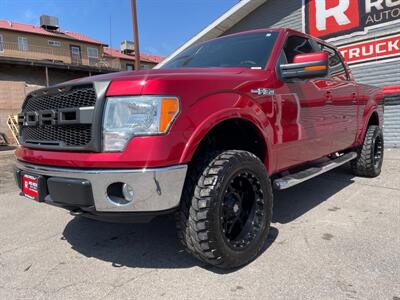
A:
(333, 237)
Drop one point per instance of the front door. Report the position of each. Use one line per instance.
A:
(76, 58)
(304, 133)
(302, 126)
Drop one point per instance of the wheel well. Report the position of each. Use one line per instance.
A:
(234, 134)
(374, 119)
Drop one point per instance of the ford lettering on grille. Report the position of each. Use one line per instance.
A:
(60, 118)
(64, 116)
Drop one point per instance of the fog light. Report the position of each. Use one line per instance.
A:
(127, 191)
(120, 193)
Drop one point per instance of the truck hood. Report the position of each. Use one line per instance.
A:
(161, 73)
(179, 82)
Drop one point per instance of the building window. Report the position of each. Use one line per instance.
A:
(93, 55)
(54, 43)
(145, 67)
(22, 43)
(130, 67)
(75, 55)
(1, 43)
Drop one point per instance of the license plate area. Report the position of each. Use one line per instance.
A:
(33, 186)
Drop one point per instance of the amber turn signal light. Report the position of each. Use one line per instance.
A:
(315, 68)
(169, 110)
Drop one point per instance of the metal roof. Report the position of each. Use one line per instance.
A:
(8, 25)
(220, 25)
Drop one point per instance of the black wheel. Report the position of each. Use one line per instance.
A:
(226, 209)
(370, 156)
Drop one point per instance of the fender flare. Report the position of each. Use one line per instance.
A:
(230, 106)
(368, 112)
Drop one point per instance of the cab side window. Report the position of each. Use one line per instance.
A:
(337, 70)
(297, 45)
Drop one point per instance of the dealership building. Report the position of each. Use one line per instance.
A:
(367, 32)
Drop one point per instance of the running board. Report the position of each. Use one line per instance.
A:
(296, 178)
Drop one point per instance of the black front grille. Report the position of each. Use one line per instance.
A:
(78, 97)
(71, 135)
(74, 136)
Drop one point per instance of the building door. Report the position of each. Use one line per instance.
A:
(76, 58)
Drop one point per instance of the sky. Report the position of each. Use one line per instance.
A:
(164, 25)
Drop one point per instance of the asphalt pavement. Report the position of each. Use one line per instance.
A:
(333, 237)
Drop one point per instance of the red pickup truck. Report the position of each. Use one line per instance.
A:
(207, 135)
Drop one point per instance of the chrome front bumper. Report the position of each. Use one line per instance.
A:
(154, 189)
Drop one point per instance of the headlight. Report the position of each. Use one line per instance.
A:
(126, 117)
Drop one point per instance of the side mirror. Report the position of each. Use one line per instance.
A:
(306, 66)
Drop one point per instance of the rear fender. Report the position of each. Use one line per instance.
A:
(367, 115)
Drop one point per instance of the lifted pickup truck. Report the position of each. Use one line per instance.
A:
(208, 135)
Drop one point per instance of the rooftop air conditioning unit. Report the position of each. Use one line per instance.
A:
(49, 22)
(127, 47)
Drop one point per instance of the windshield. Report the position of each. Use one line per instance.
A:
(250, 50)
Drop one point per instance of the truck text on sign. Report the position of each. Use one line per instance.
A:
(382, 48)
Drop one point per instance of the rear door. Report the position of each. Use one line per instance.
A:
(342, 105)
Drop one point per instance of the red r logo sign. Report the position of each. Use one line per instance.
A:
(326, 17)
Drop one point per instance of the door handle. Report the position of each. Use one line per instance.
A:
(354, 98)
(328, 98)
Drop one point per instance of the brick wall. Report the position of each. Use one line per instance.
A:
(17, 81)
(12, 94)
(38, 47)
